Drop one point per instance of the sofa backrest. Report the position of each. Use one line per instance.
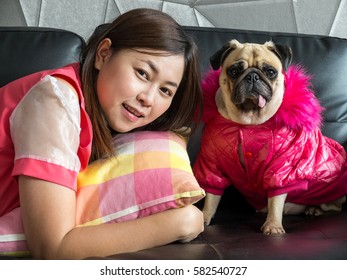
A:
(325, 58)
(25, 50)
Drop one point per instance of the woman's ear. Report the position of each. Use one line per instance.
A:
(103, 53)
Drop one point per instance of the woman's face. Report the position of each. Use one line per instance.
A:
(135, 88)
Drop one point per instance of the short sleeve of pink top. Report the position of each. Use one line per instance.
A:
(47, 133)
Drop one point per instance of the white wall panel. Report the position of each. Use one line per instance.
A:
(256, 15)
(31, 10)
(184, 14)
(339, 27)
(126, 5)
(112, 11)
(315, 16)
(323, 17)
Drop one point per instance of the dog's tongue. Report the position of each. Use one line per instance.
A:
(261, 101)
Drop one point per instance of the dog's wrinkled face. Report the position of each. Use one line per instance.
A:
(251, 80)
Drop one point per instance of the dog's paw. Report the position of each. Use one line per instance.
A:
(314, 211)
(333, 206)
(272, 228)
(208, 216)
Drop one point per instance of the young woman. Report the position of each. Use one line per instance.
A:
(139, 72)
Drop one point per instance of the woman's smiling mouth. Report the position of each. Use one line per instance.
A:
(132, 112)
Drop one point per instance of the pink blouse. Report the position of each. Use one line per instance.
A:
(45, 131)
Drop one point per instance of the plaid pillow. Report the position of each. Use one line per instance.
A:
(12, 238)
(150, 173)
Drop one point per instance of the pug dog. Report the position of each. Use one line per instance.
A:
(262, 136)
(251, 78)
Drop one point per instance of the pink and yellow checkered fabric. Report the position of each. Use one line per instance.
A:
(150, 173)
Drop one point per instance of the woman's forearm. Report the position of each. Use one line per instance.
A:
(130, 236)
(48, 213)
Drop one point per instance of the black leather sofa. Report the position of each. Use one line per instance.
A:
(235, 232)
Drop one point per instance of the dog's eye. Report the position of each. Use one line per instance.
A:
(233, 72)
(271, 73)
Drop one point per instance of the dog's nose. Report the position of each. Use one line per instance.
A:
(252, 77)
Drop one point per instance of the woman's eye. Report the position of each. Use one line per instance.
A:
(142, 73)
(166, 91)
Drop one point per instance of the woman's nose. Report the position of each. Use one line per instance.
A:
(146, 97)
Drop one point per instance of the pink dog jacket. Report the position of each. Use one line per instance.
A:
(286, 154)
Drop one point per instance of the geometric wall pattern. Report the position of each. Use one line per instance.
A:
(322, 17)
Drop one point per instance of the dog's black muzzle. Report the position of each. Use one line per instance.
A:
(252, 91)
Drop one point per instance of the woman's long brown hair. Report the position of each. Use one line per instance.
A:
(150, 30)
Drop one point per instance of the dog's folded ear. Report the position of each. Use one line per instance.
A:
(285, 54)
(218, 57)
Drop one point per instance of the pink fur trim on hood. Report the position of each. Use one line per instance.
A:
(300, 109)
